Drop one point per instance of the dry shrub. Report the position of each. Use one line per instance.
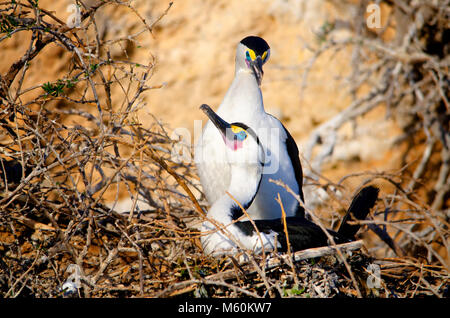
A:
(70, 146)
(70, 142)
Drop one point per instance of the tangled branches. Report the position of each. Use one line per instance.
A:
(70, 145)
(407, 74)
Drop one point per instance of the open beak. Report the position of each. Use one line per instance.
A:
(257, 69)
(221, 124)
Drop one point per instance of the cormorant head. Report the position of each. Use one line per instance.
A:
(242, 143)
(251, 54)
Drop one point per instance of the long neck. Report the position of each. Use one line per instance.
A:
(243, 98)
(244, 184)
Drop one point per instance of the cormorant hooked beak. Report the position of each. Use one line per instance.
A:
(256, 66)
(221, 124)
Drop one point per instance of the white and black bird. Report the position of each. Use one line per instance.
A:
(243, 102)
(224, 232)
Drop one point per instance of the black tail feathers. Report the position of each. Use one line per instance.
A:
(360, 207)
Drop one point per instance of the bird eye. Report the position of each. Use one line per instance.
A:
(250, 55)
(239, 133)
(242, 135)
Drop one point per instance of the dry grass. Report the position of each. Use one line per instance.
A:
(56, 176)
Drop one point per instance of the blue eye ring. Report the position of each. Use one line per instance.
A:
(241, 136)
(247, 56)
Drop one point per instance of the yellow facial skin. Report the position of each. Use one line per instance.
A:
(264, 56)
(236, 129)
(240, 133)
(255, 63)
(252, 54)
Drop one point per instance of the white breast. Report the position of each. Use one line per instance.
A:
(229, 240)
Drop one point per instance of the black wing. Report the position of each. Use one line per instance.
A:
(305, 234)
(302, 233)
(293, 153)
(360, 207)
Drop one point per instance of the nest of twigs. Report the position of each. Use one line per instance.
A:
(58, 223)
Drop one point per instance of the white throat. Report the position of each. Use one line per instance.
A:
(244, 184)
(243, 100)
